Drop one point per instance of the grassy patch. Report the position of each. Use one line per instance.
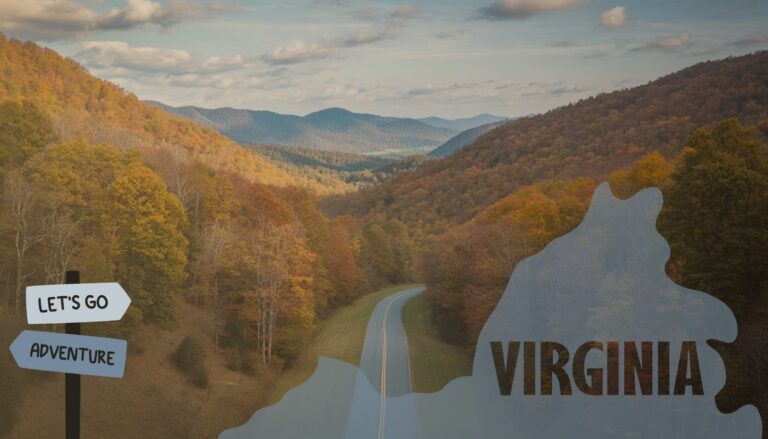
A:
(152, 400)
(341, 337)
(434, 362)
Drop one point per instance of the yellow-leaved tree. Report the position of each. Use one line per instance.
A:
(150, 249)
(101, 210)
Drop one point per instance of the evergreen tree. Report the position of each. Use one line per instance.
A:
(716, 213)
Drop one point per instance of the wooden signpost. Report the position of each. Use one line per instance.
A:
(72, 353)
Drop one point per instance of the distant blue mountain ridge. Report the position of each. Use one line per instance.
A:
(332, 129)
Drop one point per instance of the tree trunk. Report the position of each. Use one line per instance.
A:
(19, 270)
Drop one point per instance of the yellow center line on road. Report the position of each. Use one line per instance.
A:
(383, 391)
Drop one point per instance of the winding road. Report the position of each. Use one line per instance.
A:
(385, 357)
(342, 401)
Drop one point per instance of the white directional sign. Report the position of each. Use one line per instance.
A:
(76, 303)
(78, 354)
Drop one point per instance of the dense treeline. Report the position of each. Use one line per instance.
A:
(265, 260)
(101, 112)
(715, 218)
(521, 224)
(94, 180)
(507, 232)
(343, 171)
(329, 168)
(590, 138)
(503, 198)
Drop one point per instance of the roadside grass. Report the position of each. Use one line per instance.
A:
(434, 363)
(152, 400)
(341, 336)
(155, 400)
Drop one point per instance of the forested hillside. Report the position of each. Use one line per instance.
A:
(101, 112)
(462, 124)
(461, 140)
(190, 222)
(328, 167)
(699, 135)
(715, 217)
(94, 180)
(590, 138)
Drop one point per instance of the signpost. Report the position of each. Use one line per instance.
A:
(106, 302)
(72, 353)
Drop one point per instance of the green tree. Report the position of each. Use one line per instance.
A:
(377, 256)
(402, 251)
(716, 214)
(24, 131)
(105, 211)
(716, 220)
(151, 246)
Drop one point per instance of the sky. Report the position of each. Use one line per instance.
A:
(418, 58)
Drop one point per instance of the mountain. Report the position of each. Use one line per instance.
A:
(81, 105)
(588, 138)
(461, 140)
(458, 125)
(332, 129)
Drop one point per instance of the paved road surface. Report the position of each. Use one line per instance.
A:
(385, 358)
(342, 401)
(385, 352)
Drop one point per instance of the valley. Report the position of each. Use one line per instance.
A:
(254, 242)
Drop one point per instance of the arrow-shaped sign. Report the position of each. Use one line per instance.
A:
(76, 303)
(78, 354)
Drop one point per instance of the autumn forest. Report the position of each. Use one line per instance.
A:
(94, 179)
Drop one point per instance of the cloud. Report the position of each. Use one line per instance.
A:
(341, 92)
(451, 89)
(61, 19)
(745, 41)
(300, 51)
(366, 13)
(447, 35)
(614, 18)
(215, 83)
(593, 54)
(332, 2)
(152, 67)
(423, 91)
(751, 40)
(563, 44)
(742, 6)
(405, 11)
(521, 9)
(380, 14)
(369, 37)
(219, 82)
(674, 42)
(555, 89)
(119, 55)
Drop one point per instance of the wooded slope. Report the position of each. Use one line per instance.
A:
(82, 105)
(589, 138)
